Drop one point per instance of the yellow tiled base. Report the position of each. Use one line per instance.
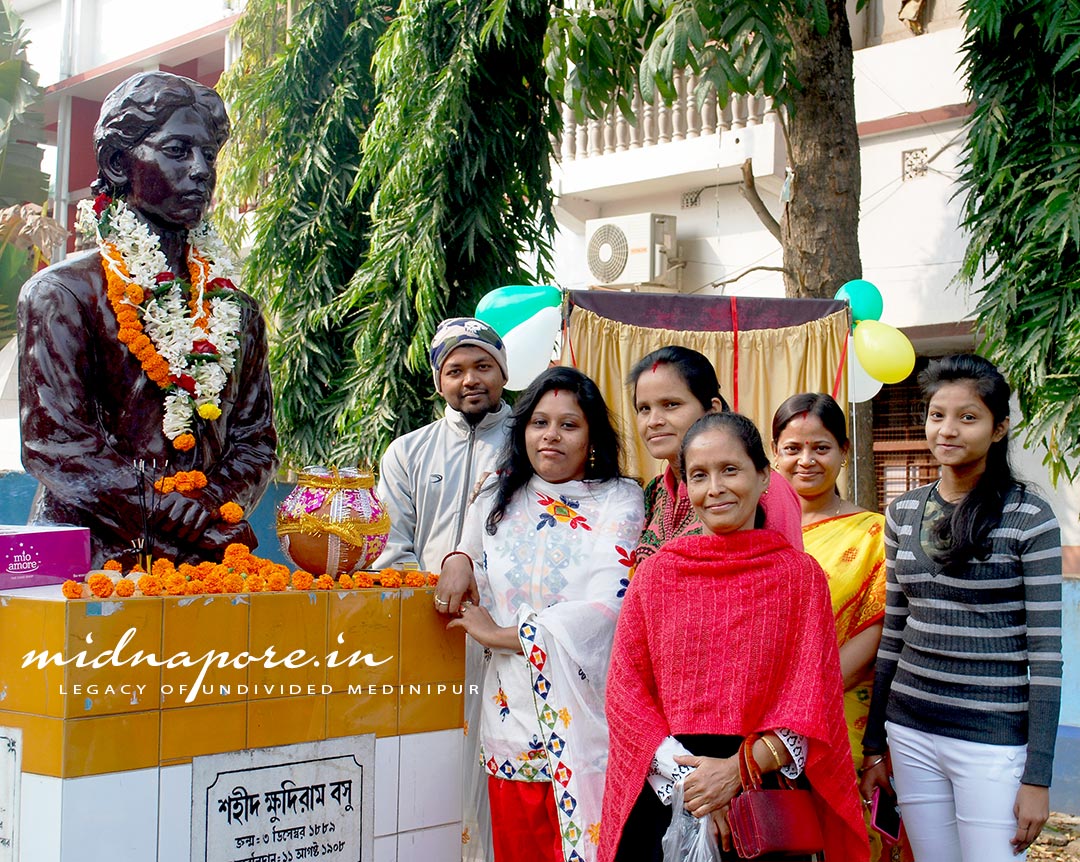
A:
(285, 720)
(196, 730)
(70, 731)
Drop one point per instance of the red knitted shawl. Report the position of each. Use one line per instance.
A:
(729, 635)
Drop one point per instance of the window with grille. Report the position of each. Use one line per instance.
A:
(902, 460)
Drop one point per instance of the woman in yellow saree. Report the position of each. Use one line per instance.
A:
(810, 444)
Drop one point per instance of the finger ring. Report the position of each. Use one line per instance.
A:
(439, 601)
(866, 802)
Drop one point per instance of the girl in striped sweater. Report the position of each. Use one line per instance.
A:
(968, 678)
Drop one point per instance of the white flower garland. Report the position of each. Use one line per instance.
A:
(166, 312)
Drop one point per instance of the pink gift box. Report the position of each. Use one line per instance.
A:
(36, 556)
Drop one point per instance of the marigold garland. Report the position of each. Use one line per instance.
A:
(185, 335)
(239, 572)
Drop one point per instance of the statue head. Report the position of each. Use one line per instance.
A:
(157, 141)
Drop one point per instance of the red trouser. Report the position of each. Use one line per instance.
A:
(524, 822)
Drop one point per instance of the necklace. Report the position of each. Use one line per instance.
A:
(184, 332)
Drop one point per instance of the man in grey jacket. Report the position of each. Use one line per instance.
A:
(427, 476)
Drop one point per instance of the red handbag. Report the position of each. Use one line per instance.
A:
(775, 822)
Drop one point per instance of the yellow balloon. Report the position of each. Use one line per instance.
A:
(884, 351)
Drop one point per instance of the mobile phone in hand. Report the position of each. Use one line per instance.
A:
(885, 816)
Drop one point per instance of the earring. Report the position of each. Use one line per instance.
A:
(592, 459)
(843, 463)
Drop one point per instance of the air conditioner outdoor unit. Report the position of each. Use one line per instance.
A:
(632, 250)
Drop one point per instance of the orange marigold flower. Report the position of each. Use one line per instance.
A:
(126, 335)
(163, 567)
(212, 583)
(100, 585)
(194, 587)
(324, 582)
(150, 585)
(72, 590)
(113, 566)
(345, 582)
(199, 478)
(277, 582)
(390, 578)
(432, 579)
(184, 484)
(165, 485)
(415, 579)
(140, 343)
(281, 570)
(187, 570)
(125, 588)
(175, 584)
(255, 583)
(363, 579)
(205, 568)
(232, 583)
(302, 580)
(231, 513)
(135, 294)
(184, 442)
(236, 549)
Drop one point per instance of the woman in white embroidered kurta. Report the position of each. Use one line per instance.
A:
(550, 541)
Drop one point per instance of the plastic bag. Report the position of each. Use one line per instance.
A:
(688, 838)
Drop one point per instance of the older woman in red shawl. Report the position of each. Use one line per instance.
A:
(722, 635)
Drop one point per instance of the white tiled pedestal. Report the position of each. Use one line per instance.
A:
(145, 814)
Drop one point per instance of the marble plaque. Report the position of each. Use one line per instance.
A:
(10, 775)
(315, 800)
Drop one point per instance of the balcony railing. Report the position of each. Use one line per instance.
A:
(661, 124)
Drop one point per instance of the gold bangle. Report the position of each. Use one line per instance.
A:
(772, 749)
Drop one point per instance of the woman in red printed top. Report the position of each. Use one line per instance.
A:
(673, 388)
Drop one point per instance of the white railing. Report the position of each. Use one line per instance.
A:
(661, 124)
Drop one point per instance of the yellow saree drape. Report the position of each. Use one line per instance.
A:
(851, 550)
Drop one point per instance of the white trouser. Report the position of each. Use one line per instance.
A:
(956, 797)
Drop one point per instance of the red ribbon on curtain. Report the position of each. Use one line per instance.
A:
(840, 371)
(735, 373)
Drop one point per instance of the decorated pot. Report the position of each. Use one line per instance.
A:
(332, 521)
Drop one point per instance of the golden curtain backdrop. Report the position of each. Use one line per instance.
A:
(773, 365)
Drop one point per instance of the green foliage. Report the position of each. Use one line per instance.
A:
(596, 52)
(1021, 175)
(458, 157)
(385, 202)
(21, 178)
(301, 101)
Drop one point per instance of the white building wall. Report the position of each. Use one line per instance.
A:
(106, 31)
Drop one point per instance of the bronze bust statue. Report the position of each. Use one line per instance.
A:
(142, 353)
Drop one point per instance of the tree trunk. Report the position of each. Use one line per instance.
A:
(820, 227)
(820, 224)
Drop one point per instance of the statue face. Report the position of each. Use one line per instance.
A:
(172, 172)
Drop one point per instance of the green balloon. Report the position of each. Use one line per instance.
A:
(506, 307)
(864, 297)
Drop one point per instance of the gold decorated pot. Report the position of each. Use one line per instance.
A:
(332, 521)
